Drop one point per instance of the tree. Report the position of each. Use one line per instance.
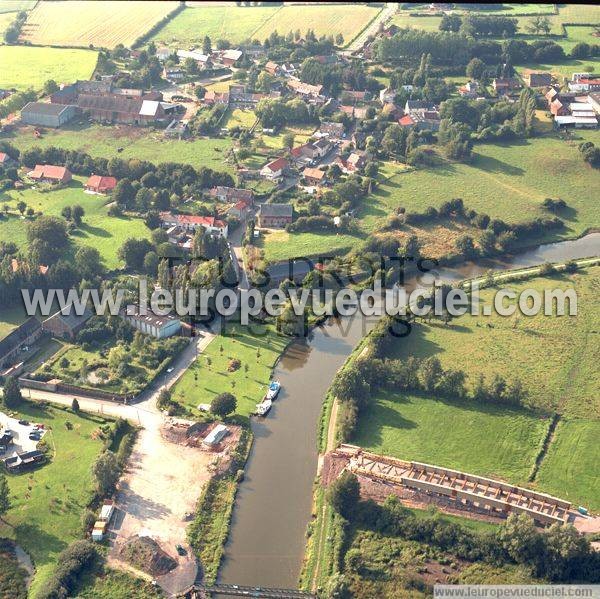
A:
(288, 140)
(223, 404)
(465, 245)
(133, 252)
(88, 262)
(475, 68)
(75, 405)
(151, 263)
(50, 87)
(206, 46)
(4, 496)
(349, 384)
(339, 40)
(344, 494)
(520, 538)
(540, 24)
(12, 396)
(77, 213)
(51, 232)
(105, 471)
(21, 207)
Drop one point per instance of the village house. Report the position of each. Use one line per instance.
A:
(304, 89)
(313, 176)
(163, 53)
(303, 154)
(100, 184)
(192, 223)
(275, 169)
(275, 216)
(538, 79)
(469, 89)
(240, 209)
(232, 194)
(584, 82)
(65, 324)
(423, 114)
(331, 130)
(354, 162)
(199, 57)
(505, 86)
(230, 57)
(387, 95)
(322, 147)
(355, 96)
(23, 336)
(173, 73)
(49, 173)
(406, 121)
(182, 238)
(47, 115)
(212, 97)
(150, 323)
(272, 68)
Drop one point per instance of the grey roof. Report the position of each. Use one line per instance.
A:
(276, 210)
(18, 336)
(68, 316)
(44, 108)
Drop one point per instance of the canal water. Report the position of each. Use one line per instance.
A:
(267, 537)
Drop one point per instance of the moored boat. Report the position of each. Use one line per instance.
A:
(273, 390)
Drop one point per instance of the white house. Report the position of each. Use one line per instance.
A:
(189, 222)
(151, 324)
(274, 169)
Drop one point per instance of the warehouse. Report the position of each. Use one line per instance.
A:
(47, 115)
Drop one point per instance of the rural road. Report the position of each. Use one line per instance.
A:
(357, 43)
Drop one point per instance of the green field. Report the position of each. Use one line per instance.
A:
(10, 319)
(555, 357)
(233, 23)
(347, 19)
(570, 468)
(483, 439)
(240, 118)
(135, 142)
(99, 230)
(23, 67)
(215, 378)
(47, 503)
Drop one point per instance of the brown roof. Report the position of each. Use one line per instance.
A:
(49, 171)
(122, 105)
(278, 164)
(313, 173)
(99, 182)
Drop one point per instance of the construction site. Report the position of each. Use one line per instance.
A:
(416, 483)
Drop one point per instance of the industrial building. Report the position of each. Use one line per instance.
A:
(47, 115)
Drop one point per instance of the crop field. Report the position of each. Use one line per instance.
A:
(99, 230)
(556, 357)
(347, 19)
(23, 67)
(234, 23)
(134, 142)
(570, 468)
(508, 181)
(257, 348)
(47, 503)
(101, 24)
(487, 440)
(5, 20)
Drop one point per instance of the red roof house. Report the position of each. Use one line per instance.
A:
(406, 121)
(49, 173)
(99, 184)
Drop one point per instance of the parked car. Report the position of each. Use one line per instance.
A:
(181, 550)
(24, 422)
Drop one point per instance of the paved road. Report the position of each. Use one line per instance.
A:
(358, 43)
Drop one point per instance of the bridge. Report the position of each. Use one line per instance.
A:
(198, 591)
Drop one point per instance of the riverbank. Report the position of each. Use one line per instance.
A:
(322, 553)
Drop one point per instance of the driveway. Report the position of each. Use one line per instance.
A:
(20, 434)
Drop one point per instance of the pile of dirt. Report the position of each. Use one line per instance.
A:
(145, 554)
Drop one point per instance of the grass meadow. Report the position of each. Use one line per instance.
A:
(101, 24)
(47, 502)
(134, 142)
(487, 440)
(99, 230)
(257, 349)
(555, 358)
(23, 67)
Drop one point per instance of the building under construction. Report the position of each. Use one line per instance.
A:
(466, 489)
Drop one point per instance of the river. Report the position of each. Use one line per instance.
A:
(267, 537)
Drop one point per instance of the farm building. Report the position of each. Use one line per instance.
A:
(273, 216)
(539, 79)
(117, 108)
(150, 323)
(192, 223)
(49, 173)
(100, 184)
(65, 323)
(230, 57)
(231, 194)
(47, 115)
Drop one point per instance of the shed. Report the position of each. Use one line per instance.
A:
(47, 115)
(216, 435)
(107, 511)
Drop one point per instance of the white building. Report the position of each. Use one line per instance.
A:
(151, 324)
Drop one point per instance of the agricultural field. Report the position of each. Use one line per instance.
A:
(564, 380)
(5, 20)
(23, 67)
(257, 348)
(47, 503)
(100, 24)
(562, 71)
(234, 23)
(488, 440)
(133, 142)
(99, 230)
(347, 19)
